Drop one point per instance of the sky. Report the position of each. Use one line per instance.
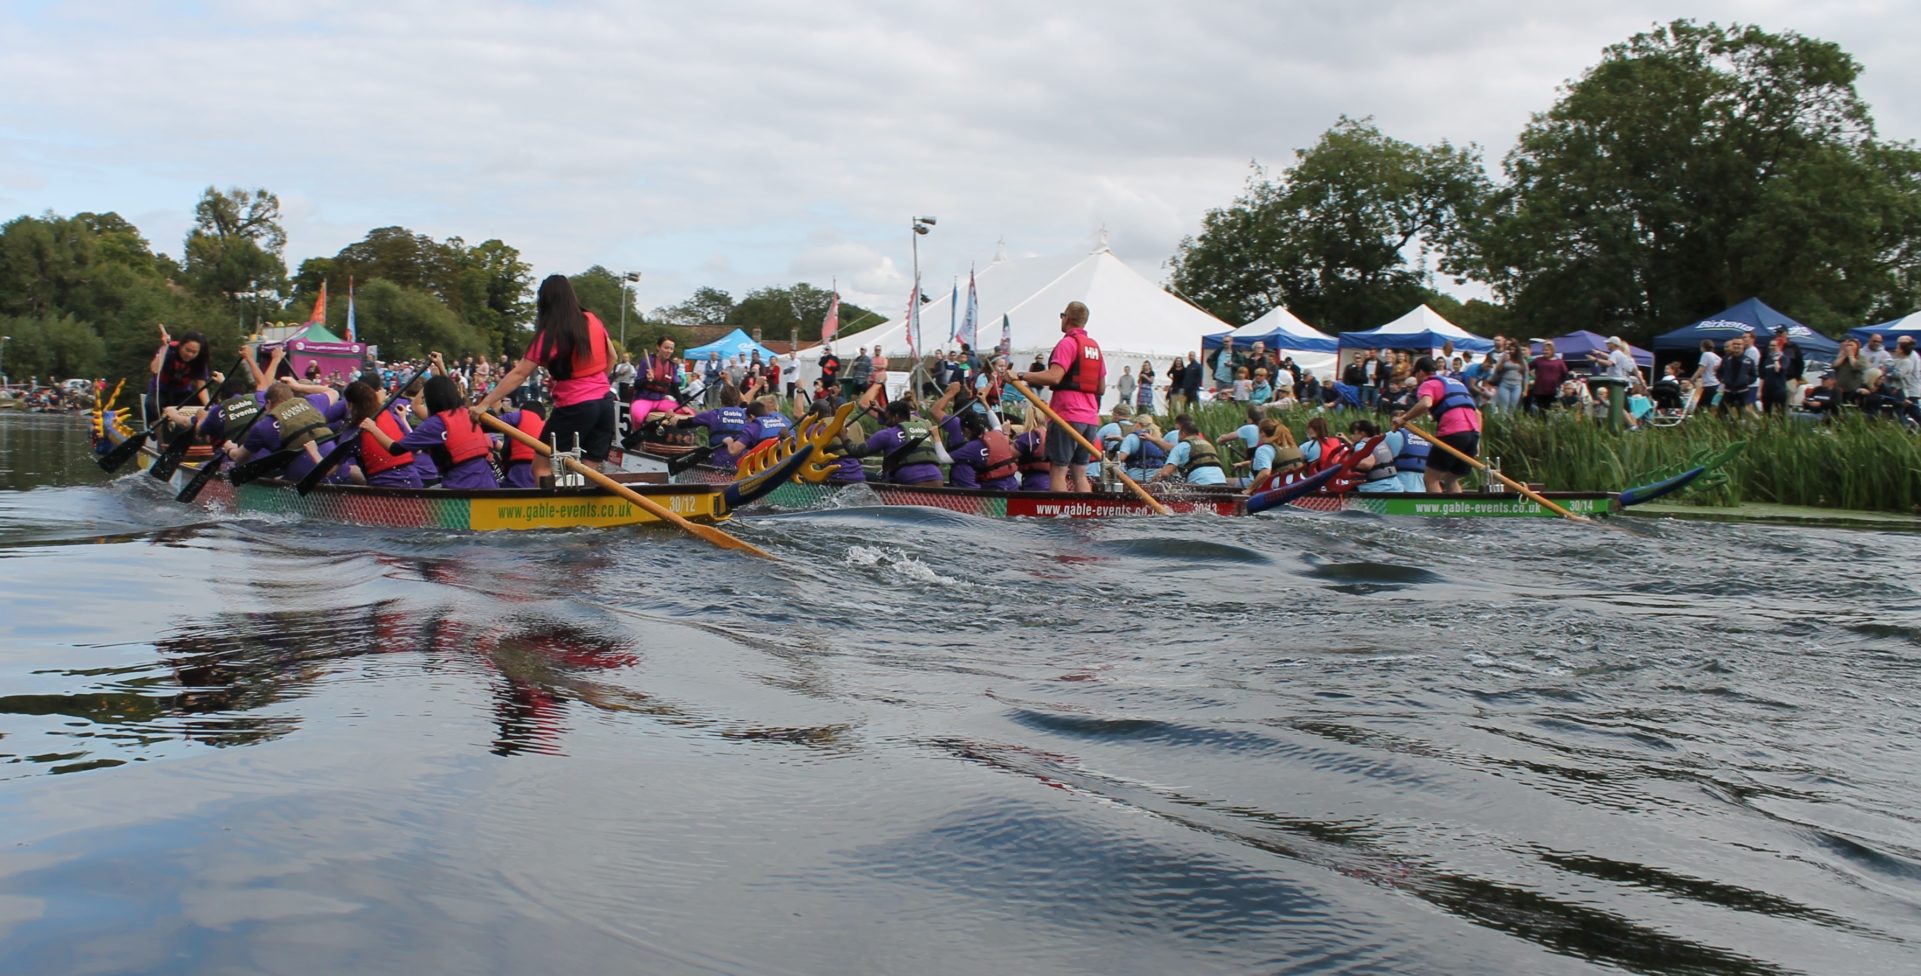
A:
(746, 143)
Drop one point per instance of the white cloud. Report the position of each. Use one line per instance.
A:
(745, 144)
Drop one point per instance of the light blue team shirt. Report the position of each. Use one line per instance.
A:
(1249, 435)
(1201, 476)
(1131, 449)
(1100, 440)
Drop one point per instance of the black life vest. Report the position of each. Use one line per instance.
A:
(235, 414)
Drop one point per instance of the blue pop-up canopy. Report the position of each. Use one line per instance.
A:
(1579, 343)
(735, 343)
(1422, 330)
(1890, 332)
(1278, 329)
(1752, 318)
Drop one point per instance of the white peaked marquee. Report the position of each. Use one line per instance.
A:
(1131, 317)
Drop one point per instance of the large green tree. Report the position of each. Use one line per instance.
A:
(233, 250)
(1693, 167)
(408, 322)
(1330, 237)
(487, 285)
(796, 309)
(706, 306)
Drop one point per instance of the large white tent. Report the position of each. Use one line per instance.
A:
(1131, 317)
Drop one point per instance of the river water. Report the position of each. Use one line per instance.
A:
(930, 743)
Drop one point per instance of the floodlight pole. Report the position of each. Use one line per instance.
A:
(625, 280)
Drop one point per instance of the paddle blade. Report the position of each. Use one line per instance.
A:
(688, 460)
(200, 478)
(123, 452)
(169, 460)
(262, 467)
(328, 463)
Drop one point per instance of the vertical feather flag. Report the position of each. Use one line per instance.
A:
(1007, 336)
(319, 307)
(831, 324)
(953, 313)
(350, 310)
(971, 325)
(913, 322)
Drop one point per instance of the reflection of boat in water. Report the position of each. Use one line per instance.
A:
(497, 509)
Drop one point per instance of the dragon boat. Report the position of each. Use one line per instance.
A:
(1312, 494)
(560, 507)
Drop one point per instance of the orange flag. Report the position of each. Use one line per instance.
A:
(319, 307)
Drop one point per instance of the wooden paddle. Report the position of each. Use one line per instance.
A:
(1054, 418)
(706, 533)
(1510, 482)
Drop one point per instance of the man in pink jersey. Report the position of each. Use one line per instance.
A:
(1457, 421)
(1078, 375)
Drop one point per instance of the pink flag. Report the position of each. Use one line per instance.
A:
(831, 324)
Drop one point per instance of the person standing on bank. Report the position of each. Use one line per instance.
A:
(574, 347)
(1078, 375)
(1457, 421)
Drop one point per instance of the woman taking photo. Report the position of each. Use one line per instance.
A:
(574, 348)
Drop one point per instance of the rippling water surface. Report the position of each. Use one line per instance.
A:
(930, 743)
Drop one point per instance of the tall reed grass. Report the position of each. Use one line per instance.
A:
(1854, 462)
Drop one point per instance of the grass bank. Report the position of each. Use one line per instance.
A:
(1854, 462)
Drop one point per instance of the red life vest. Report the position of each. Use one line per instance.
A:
(1088, 372)
(374, 459)
(1001, 459)
(1033, 455)
(658, 379)
(531, 424)
(465, 439)
(1333, 452)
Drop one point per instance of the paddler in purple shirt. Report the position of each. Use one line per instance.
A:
(763, 424)
(905, 447)
(462, 448)
(986, 459)
(410, 410)
(293, 423)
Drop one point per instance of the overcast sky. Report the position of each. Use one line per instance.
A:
(743, 144)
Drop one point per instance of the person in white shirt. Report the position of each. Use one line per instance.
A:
(1707, 378)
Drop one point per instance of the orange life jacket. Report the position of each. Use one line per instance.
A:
(531, 424)
(465, 439)
(374, 459)
(1333, 452)
(1001, 458)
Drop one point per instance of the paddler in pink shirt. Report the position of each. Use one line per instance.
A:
(1457, 421)
(1078, 376)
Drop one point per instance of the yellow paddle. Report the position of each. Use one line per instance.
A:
(705, 533)
(1055, 419)
(1510, 482)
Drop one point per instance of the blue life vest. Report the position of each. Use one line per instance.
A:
(1454, 396)
(1149, 457)
(732, 420)
(1413, 452)
(771, 426)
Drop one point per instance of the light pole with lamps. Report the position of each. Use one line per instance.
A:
(921, 226)
(629, 278)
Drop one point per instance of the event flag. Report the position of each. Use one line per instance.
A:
(913, 322)
(350, 310)
(319, 307)
(1007, 336)
(953, 313)
(971, 325)
(831, 324)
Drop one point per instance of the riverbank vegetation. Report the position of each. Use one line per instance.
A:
(1854, 462)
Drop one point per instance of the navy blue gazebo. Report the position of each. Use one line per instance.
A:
(1751, 318)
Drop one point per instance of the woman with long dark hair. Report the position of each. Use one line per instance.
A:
(378, 466)
(178, 367)
(573, 345)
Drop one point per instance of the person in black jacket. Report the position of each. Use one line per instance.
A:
(1780, 362)
(1191, 378)
(1738, 374)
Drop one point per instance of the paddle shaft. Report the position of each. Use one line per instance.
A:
(1510, 482)
(703, 532)
(1055, 419)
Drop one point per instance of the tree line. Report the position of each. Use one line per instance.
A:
(81, 295)
(1693, 167)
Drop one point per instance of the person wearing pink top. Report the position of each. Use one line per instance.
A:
(1078, 376)
(1457, 422)
(573, 346)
